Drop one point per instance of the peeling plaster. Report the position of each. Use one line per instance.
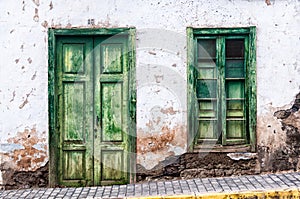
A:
(280, 151)
(26, 151)
(268, 2)
(36, 15)
(36, 2)
(34, 76)
(26, 100)
(51, 5)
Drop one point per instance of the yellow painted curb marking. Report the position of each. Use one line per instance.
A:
(261, 194)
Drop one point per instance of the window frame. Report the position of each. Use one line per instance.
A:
(250, 86)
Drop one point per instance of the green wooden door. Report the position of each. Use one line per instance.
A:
(111, 110)
(92, 103)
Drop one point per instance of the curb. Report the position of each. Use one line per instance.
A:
(263, 194)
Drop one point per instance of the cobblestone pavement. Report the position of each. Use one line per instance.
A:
(287, 185)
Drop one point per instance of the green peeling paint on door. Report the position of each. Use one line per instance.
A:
(91, 107)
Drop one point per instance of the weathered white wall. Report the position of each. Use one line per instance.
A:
(161, 67)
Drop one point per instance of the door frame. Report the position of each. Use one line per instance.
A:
(52, 109)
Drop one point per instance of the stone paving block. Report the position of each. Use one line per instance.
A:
(169, 188)
(225, 187)
(279, 181)
(192, 185)
(254, 182)
(240, 184)
(99, 191)
(217, 187)
(296, 175)
(261, 182)
(122, 191)
(201, 188)
(270, 181)
(288, 181)
(153, 188)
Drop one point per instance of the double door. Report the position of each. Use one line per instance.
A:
(92, 100)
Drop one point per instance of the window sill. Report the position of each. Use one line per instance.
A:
(219, 148)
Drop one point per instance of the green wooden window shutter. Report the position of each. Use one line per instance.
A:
(222, 88)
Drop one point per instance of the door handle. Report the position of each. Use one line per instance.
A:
(97, 122)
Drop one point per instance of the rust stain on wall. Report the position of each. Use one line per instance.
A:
(29, 157)
(147, 142)
(154, 143)
(161, 136)
(169, 111)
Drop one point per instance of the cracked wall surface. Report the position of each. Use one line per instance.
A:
(161, 76)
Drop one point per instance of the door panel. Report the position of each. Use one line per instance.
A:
(93, 110)
(74, 167)
(111, 54)
(74, 108)
(73, 57)
(111, 111)
(74, 96)
(112, 108)
(113, 165)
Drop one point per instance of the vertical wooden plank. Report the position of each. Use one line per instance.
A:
(131, 138)
(221, 90)
(53, 138)
(192, 99)
(251, 82)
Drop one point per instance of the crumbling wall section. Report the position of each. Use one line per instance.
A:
(201, 165)
(15, 179)
(24, 160)
(286, 156)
